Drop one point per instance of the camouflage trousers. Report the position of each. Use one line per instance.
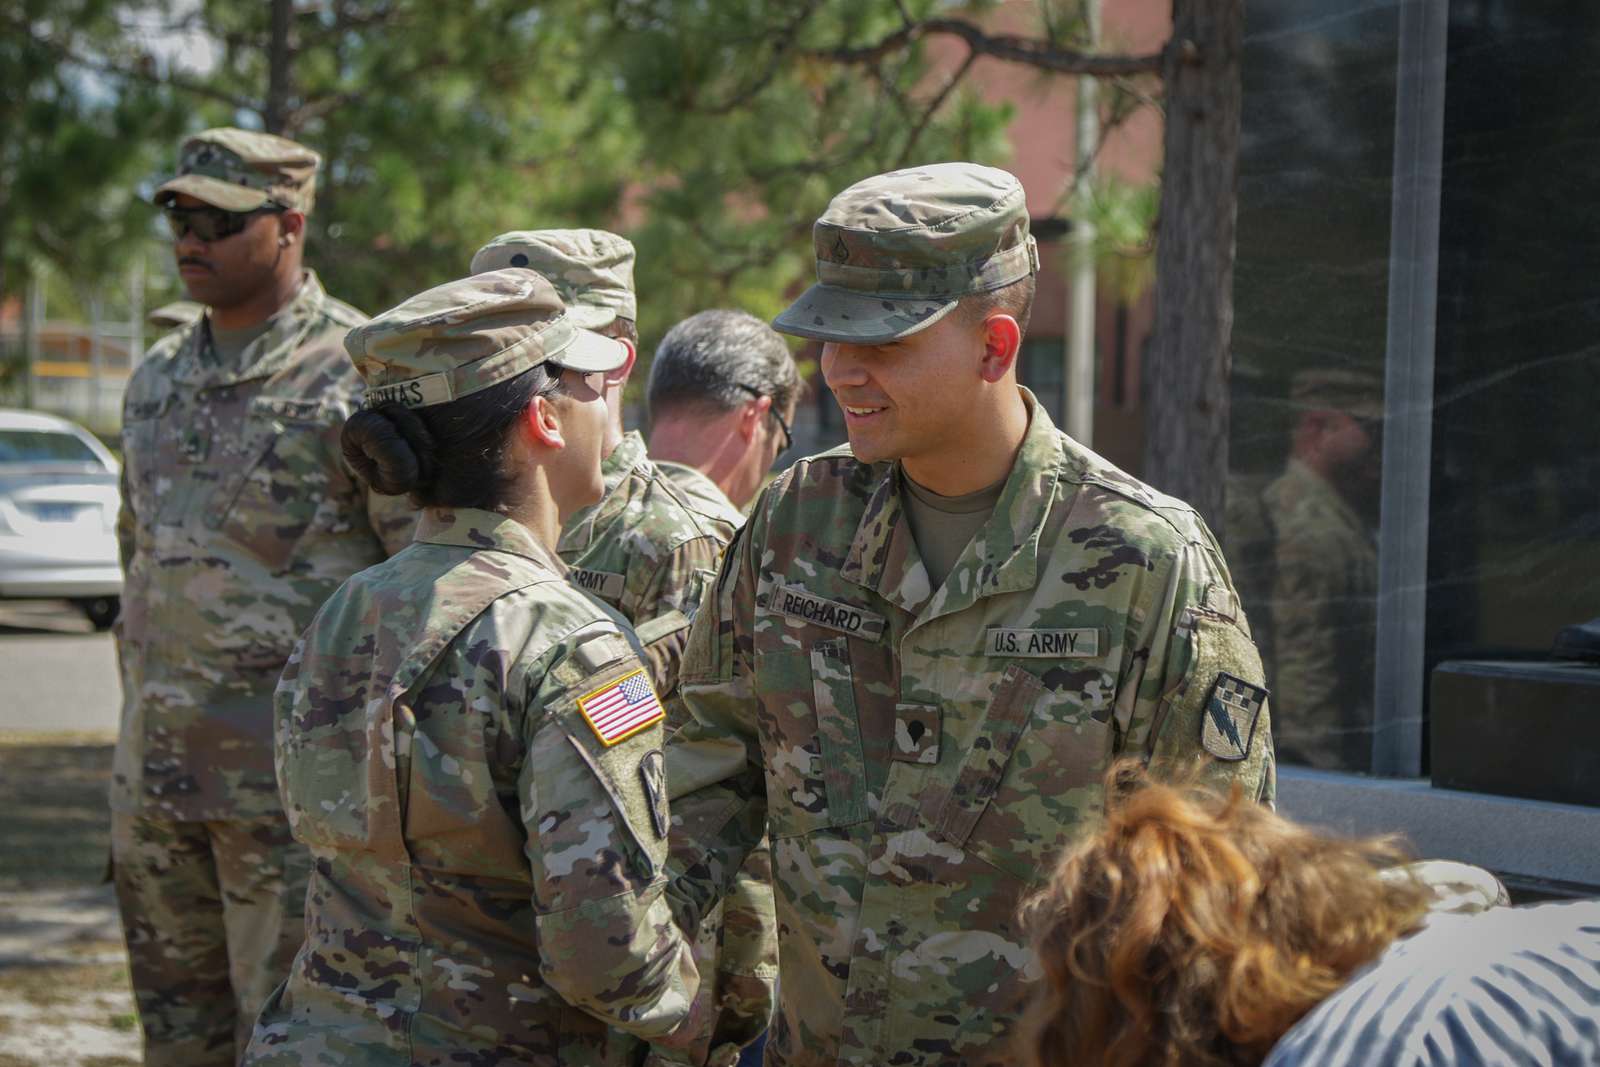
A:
(213, 913)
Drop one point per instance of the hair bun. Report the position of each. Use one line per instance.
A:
(390, 448)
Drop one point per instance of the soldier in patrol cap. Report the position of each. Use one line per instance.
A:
(647, 548)
(468, 745)
(1323, 512)
(924, 648)
(239, 516)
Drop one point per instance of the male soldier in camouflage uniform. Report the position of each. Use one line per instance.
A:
(923, 730)
(1323, 512)
(238, 518)
(487, 815)
(721, 397)
(647, 549)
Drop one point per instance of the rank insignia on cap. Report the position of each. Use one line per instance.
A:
(1229, 721)
(623, 708)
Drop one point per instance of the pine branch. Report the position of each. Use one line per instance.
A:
(1005, 47)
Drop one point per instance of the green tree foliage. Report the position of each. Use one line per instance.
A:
(711, 131)
(748, 127)
(74, 144)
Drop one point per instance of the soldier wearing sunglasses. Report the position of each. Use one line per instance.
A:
(239, 517)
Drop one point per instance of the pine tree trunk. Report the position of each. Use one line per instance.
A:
(1186, 376)
(279, 59)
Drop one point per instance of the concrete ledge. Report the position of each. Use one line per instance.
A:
(1528, 838)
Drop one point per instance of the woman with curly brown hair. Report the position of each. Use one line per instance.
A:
(1198, 930)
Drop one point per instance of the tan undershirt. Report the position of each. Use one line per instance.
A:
(227, 346)
(943, 526)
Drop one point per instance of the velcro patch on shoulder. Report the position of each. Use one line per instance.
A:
(795, 602)
(604, 584)
(602, 651)
(1228, 722)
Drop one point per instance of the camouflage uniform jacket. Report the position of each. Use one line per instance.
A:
(921, 757)
(706, 494)
(648, 550)
(239, 517)
(652, 547)
(1324, 620)
(483, 862)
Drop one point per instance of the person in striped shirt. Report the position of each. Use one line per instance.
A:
(1203, 930)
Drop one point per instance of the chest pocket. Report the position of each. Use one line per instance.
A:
(147, 449)
(1030, 780)
(815, 770)
(284, 480)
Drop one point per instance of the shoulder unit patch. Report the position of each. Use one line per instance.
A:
(1229, 721)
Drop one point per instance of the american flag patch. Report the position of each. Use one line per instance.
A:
(622, 708)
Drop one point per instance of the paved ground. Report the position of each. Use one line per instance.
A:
(56, 674)
(64, 996)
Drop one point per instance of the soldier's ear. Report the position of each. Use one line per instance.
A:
(1002, 340)
(542, 425)
(751, 416)
(291, 227)
(620, 375)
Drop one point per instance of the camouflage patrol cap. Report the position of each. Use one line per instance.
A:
(241, 170)
(591, 269)
(1355, 392)
(896, 252)
(467, 335)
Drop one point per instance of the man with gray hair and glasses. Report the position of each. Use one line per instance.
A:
(722, 395)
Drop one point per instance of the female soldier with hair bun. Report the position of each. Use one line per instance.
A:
(468, 745)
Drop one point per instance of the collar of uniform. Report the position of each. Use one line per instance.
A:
(1005, 554)
(686, 477)
(270, 352)
(485, 531)
(614, 469)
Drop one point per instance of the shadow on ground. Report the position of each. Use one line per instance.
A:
(54, 824)
(64, 996)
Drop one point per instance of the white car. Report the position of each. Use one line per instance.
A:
(58, 515)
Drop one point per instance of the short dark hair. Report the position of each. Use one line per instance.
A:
(1014, 299)
(717, 360)
(622, 328)
(449, 455)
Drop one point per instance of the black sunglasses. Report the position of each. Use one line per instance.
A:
(212, 223)
(783, 424)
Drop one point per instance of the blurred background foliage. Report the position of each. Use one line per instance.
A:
(712, 132)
